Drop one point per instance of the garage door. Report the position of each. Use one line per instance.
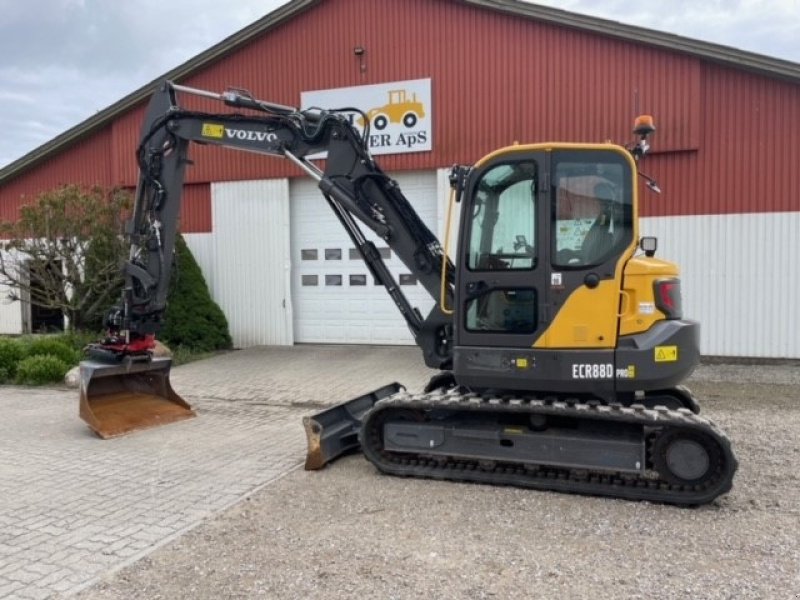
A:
(335, 298)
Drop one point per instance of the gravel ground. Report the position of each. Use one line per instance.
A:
(349, 532)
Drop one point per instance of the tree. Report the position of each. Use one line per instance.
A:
(192, 319)
(65, 250)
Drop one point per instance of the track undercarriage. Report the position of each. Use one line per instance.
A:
(637, 452)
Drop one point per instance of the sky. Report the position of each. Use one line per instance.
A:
(61, 61)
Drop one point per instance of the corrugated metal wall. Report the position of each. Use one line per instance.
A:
(251, 270)
(526, 81)
(86, 163)
(739, 278)
(724, 143)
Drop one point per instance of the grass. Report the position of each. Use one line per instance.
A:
(183, 355)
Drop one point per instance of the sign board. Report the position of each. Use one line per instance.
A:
(399, 113)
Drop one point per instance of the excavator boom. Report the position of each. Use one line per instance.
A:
(355, 188)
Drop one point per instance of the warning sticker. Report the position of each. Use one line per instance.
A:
(666, 353)
(212, 130)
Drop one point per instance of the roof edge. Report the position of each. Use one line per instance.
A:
(105, 116)
(743, 59)
(726, 55)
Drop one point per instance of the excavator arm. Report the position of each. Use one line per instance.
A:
(357, 190)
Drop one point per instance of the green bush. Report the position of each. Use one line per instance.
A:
(11, 352)
(79, 339)
(52, 346)
(192, 318)
(36, 370)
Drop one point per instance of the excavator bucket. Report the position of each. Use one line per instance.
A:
(334, 431)
(123, 397)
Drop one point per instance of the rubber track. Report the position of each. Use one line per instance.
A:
(597, 483)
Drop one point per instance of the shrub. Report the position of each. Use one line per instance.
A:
(36, 370)
(192, 318)
(11, 352)
(53, 346)
(79, 339)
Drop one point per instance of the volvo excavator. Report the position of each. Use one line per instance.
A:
(558, 335)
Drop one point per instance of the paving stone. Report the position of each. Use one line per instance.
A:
(7, 588)
(76, 506)
(24, 576)
(33, 593)
(40, 568)
(54, 577)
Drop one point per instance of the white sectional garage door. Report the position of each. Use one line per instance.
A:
(334, 296)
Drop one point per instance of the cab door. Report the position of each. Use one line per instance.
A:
(592, 235)
(502, 276)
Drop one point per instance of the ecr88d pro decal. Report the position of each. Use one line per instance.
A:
(602, 371)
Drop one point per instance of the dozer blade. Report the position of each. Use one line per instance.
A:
(334, 431)
(123, 397)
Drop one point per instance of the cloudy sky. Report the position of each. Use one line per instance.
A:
(63, 60)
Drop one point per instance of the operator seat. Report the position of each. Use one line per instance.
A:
(598, 241)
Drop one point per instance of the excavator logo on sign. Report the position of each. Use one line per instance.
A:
(397, 113)
(403, 107)
(666, 353)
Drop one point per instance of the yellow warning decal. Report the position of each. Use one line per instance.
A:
(212, 130)
(666, 353)
(513, 431)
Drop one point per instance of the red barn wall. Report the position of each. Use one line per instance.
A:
(724, 143)
(86, 162)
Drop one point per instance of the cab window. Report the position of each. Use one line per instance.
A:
(592, 211)
(503, 222)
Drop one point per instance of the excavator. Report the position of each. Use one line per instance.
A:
(558, 335)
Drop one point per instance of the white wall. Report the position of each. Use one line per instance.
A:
(740, 277)
(10, 312)
(740, 274)
(249, 260)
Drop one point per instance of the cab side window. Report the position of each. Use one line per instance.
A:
(503, 226)
(592, 217)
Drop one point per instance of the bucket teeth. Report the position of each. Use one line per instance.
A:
(119, 398)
